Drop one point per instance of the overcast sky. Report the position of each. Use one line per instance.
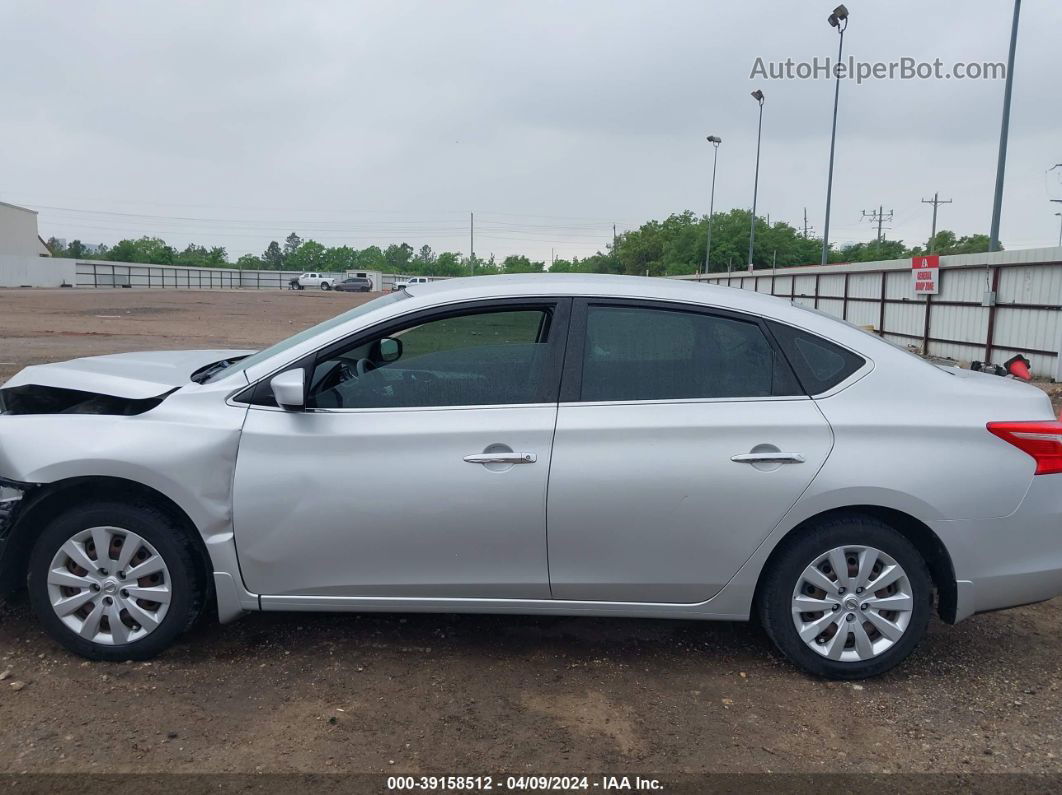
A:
(233, 123)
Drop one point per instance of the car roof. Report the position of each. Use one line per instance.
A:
(598, 284)
(432, 294)
(593, 285)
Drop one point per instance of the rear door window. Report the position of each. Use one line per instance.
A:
(648, 353)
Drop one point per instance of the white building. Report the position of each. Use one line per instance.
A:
(18, 232)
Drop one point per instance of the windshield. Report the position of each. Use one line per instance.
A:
(313, 331)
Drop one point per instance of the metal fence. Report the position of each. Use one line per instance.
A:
(990, 306)
(119, 274)
(126, 274)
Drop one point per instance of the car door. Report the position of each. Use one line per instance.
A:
(682, 439)
(419, 465)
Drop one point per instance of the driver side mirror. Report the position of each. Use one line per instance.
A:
(289, 389)
(387, 350)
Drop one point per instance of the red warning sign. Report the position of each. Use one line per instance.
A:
(925, 274)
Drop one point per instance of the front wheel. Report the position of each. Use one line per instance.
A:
(326, 286)
(850, 599)
(112, 581)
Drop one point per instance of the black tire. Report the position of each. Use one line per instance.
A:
(774, 601)
(187, 579)
(326, 286)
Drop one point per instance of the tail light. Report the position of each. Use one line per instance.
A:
(1042, 440)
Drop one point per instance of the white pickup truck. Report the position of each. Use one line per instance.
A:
(402, 285)
(323, 281)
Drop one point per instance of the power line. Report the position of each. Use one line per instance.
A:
(456, 215)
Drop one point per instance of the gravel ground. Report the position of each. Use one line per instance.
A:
(481, 694)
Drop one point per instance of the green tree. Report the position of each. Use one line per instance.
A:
(151, 250)
(250, 262)
(309, 256)
(946, 242)
(217, 257)
(449, 264)
(517, 263)
(873, 250)
(339, 259)
(425, 259)
(397, 257)
(291, 244)
(273, 257)
(193, 255)
(371, 258)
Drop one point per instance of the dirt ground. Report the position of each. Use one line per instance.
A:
(474, 694)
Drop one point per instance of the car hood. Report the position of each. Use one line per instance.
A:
(126, 375)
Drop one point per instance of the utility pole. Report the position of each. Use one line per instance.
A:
(472, 242)
(879, 217)
(613, 238)
(809, 229)
(935, 202)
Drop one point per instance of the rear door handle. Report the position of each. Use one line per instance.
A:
(775, 458)
(501, 458)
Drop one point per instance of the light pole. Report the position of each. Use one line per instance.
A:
(758, 96)
(1001, 163)
(1059, 228)
(838, 19)
(715, 140)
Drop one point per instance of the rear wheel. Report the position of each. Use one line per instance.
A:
(111, 581)
(848, 600)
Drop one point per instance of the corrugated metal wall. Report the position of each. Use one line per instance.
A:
(1026, 317)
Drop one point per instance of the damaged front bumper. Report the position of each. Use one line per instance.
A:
(12, 501)
(11, 496)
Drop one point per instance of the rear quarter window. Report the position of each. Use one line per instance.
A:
(818, 363)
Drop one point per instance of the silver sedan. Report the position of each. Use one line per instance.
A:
(580, 445)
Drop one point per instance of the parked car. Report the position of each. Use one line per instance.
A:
(405, 283)
(698, 452)
(355, 284)
(322, 281)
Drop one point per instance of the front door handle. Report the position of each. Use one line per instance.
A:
(768, 458)
(501, 458)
